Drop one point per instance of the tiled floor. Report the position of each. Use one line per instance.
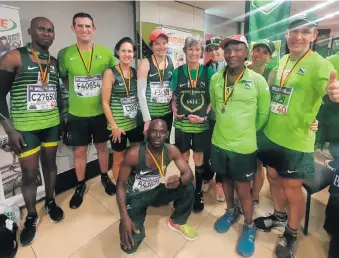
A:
(92, 231)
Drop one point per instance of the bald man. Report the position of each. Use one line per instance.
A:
(143, 182)
(30, 74)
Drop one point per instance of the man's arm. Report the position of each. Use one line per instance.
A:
(263, 103)
(9, 65)
(185, 170)
(130, 159)
(62, 68)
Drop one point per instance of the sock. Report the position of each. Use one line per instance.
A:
(103, 174)
(81, 182)
(32, 214)
(48, 200)
(230, 211)
(281, 216)
(293, 232)
(251, 225)
(199, 170)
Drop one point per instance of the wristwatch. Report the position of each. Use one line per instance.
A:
(205, 118)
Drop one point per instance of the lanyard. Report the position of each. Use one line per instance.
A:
(284, 80)
(193, 83)
(43, 73)
(89, 63)
(227, 94)
(161, 77)
(161, 169)
(123, 79)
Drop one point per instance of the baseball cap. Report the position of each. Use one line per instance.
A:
(267, 43)
(308, 18)
(215, 41)
(156, 34)
(237, 38)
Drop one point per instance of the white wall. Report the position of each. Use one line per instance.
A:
(220, 26)
(172, 13)
(113, 20)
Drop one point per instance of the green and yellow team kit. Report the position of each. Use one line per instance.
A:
(34, 96)
(84, 70)
(191, 89)
(124, 100)
(296, 98)
(158, 87)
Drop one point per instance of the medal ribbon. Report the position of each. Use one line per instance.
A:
(89, 63)
(228, 93)
(123, 79)
(161, 77)
(161, 171)
(284, 80)
(193, 83)
(43, 73)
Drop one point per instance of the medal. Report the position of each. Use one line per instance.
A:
(89, 63)
(193, 83)
(162, 180)
(45, 85)
(160, 168)
(43, 73)
(161, 77)
(228, 93)
(123, 79)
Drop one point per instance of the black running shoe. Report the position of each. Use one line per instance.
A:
(78, 196)
(198, 205)
(267, 223)
(286, 246)
(109, 186)
(54, 211)
(28, 233)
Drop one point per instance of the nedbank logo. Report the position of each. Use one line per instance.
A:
(266, 7)
(7, 24)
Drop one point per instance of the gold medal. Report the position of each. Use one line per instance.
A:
(162, 180)
(89, 76)
(45, 85)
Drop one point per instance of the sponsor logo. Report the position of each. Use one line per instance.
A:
(7, 24)
(72, 58)
(32, 68)
(145, 172)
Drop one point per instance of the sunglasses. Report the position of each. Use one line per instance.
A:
(214, 41)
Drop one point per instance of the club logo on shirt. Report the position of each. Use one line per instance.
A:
(248, 85)
(202, 84)
(302, 71)
(97, 57)
(52, 69)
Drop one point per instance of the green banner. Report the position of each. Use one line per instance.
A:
(269, 20)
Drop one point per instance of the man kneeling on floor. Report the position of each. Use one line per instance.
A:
(142, 183)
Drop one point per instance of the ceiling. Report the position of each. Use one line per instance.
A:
(235, 10)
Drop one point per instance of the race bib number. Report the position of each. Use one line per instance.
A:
(280, 99)
(145, 183)
(130, 106)
(160, 93)
(88, 87)
(39, 98)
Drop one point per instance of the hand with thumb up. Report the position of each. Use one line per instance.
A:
(332, 87)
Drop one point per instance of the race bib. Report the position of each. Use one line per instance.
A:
(130, 106)
(88, 87)
(145, 183)
(39, 98)
(280, 99)
(160, 93)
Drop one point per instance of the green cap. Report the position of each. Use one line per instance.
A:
(267, 43)
(309, 18)
(215, 41)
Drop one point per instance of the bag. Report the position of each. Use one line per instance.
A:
(8, 242)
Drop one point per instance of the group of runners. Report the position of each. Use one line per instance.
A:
(236, 116)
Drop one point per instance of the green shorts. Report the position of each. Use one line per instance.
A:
(48, 137)
(237, 166)
(289, 163)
